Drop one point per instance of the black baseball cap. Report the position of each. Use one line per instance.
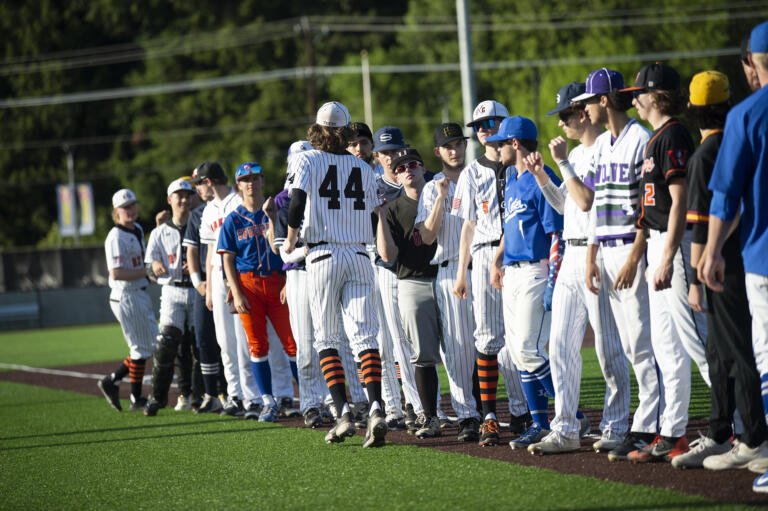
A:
(409, 154)
(566, 94)
(656, 76)
(448, 132)
(207, 170)
(360, 129)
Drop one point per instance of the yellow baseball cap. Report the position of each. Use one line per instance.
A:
(709, 88)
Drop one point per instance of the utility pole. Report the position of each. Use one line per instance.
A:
(468, 93)
(367, 89)
(311, 100)
(72, 191)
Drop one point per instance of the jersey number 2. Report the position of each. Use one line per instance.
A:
(649, 198)
(353, 190)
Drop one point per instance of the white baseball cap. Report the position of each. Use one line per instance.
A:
(179, 185)
(123, 198)
(488, 109)
(333, 114)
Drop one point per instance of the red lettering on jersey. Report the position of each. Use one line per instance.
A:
(417, 238)
(171, 258)
(649, 198)
(678, 157)
(136, 261)
(456, 203)
(648, 165)
(485, 207)
(216, 224)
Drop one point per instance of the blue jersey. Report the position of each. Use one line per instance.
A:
(741, 172)
(244, 234)
(528, 218)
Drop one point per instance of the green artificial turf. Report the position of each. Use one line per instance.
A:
(62, 450)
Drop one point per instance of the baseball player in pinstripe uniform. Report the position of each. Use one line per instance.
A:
(167, 260)
(335, 196)
(312, 389)
(572, 303)
(619, 157)
(477, 200)
(520, 267)
(131, 305)
(435, 223)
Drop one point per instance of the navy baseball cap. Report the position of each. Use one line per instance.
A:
(247, 169)
(388, 138)
(758, 40)
(601, 81)
(518, 127)
(655, 76)
(566, 94)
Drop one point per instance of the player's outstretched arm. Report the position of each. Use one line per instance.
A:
(581, 194)
(430, 228)
(461, 285)
(385, 244)
(126, 274)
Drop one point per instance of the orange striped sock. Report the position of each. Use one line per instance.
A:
(137, 368)
(488, 376)
(333, 372)
(370, 362)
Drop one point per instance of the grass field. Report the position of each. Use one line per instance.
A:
(64, 450)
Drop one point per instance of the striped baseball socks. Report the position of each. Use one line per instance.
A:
(136, 371)
(537, 387)
(370, 363)
(488, 378)
(333, 372)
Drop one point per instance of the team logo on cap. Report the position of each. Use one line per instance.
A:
(385, 137)
(450, 131)
(558, 98)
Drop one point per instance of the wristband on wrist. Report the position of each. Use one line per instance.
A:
(566, 169)
(694, 277)
(196, 279)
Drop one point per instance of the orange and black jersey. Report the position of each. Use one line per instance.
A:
(700, 167)
(666, 158)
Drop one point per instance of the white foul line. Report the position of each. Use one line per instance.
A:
(60, 372)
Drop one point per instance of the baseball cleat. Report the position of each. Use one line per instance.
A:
(211, 404)
(410, 417)
(469, 430)
(430, 429)
(739, 456)
(534, 434)
(233, 408)
(758, 466)
(376, 430)
(518, 424)
(137, 403)
(489, 433)
(446, 423)
(268, 413)
(632, 442)
(151, 408)
(396, 424)
(313, 418)
(554, 444)
(360, 414)
(701, 448)
(286, 408)
(662, 448)
(761, 484)
(111, 392)
(607, 442)
(183, 403)
(252, 411)
(343, 428)
(584, 426)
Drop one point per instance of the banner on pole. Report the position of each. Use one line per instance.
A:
(68, 203)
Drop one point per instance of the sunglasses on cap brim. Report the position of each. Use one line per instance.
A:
(256, 171)
(406, 166)
(485, 124)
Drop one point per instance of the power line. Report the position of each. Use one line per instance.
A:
(307, 72)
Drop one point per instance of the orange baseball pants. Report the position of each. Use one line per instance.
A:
(263, 295)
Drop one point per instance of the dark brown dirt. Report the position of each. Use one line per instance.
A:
(733, 486)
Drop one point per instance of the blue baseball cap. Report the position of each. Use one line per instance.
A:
(566, 94)
(518, 127)
(247, 169)
(758, 40)
(388, 138)
(601, 81)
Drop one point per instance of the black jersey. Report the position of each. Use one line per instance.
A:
(414, 255)
(666, 158)
(700, 168)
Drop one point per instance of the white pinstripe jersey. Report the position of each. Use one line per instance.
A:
(164, 245)
(449, 235)
(341, 195)
(476, 198)
(125, 249)
(213, 216)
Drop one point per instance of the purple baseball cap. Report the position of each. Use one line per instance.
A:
(601, 81)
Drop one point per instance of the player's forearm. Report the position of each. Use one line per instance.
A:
(293, 235)
(552, 193)
(498, 257)
(467, 235)
(271, 239)
(638, 248)
(231, 272)
(716, 235)
(697, 250)
(580, 193)
(431, 226)
(676, 220)
(193, 259)
(126, 274)
(385, 245)
(208, 266)
(592, 253)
